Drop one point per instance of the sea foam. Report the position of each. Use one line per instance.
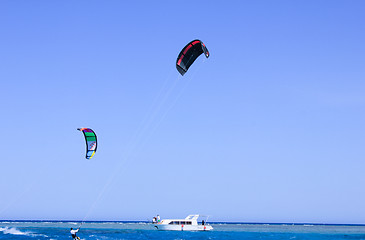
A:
(14, 231)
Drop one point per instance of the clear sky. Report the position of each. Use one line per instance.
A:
(270, 128)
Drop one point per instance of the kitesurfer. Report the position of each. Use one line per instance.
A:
(73, 234)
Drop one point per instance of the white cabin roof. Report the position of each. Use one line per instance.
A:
(192, 217)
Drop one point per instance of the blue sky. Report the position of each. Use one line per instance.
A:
(270, 128)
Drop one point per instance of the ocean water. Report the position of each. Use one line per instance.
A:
(141, 230)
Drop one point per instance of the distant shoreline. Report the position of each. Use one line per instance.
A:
(211, 222)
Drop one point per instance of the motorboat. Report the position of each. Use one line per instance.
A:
(190, 223)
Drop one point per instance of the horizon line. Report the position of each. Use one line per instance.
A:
(212, 222)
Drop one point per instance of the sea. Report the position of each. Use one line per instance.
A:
(144, 230)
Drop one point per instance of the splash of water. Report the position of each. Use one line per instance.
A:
(13, 231)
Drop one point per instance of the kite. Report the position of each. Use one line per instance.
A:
(189, 54)
(91, 142)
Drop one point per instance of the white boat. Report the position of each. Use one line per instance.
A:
(190, 223)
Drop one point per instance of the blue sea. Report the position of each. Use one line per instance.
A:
(142, 230)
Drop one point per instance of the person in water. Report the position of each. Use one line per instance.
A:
(73, 233)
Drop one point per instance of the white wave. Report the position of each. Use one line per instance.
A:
(14, 231)
(74, 223)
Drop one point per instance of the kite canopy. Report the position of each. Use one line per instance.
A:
(188, 55)
(91, 142)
